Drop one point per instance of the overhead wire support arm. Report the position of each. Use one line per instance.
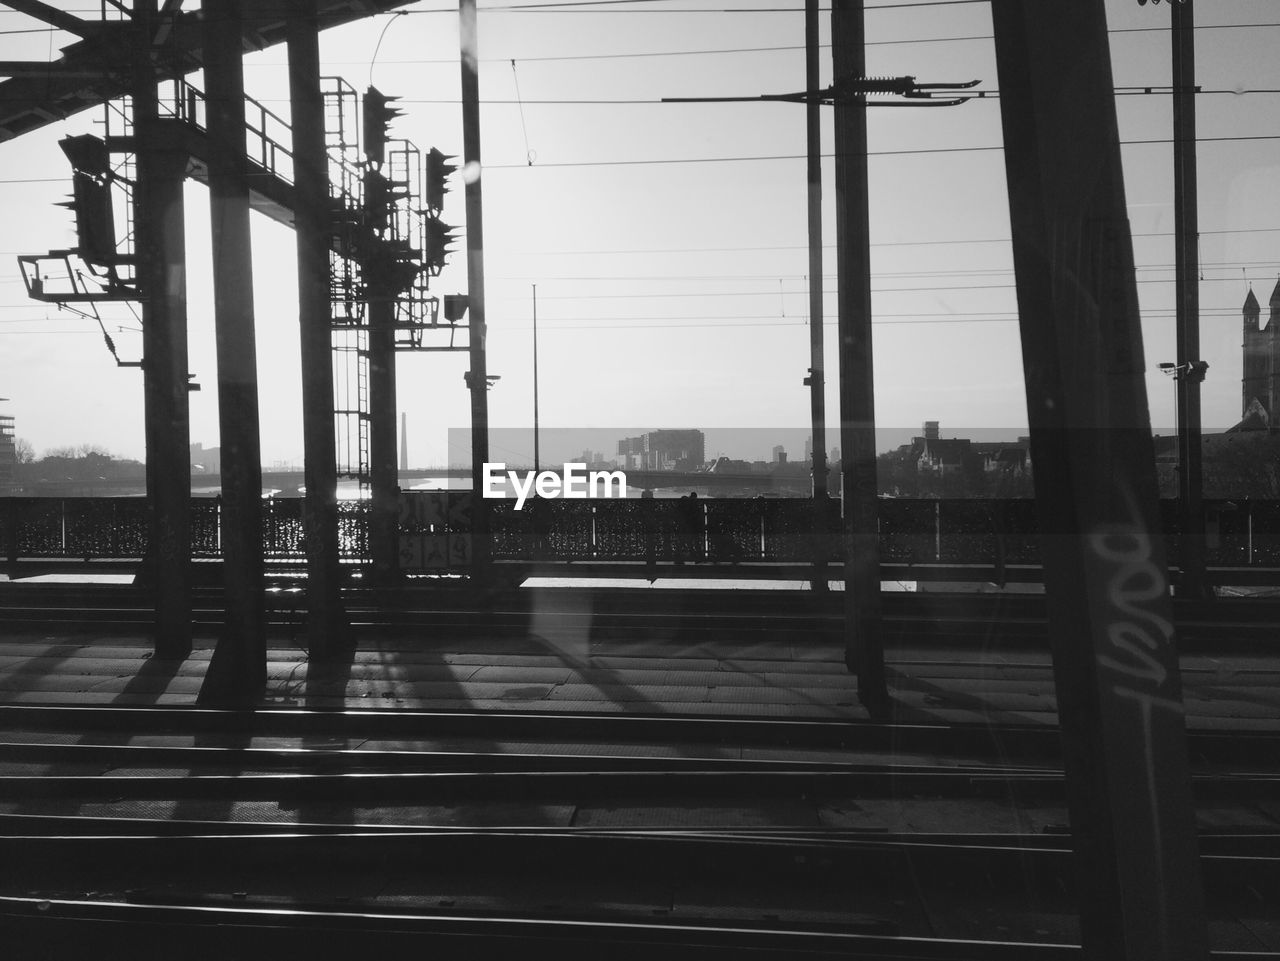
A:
(846, 91)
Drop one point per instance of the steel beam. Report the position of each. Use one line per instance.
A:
(1189, 370)
(42, 68)
(384, 548)
(160, 241)
(1109, 612)
(478, 376)
(237, 671)
(817, 376)
(54, 17)
(30, 102)
(817, 364)
(864, 651)
(326, 621)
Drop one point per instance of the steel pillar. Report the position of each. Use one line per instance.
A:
(864, 652)
(327, 627)
(478, 379)
(384, 546)
(1190, 370)
(817, 373)
(238, 669)
(160, 242)
(813, 131)
(1110, 619)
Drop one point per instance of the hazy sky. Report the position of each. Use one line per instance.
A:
(667, 242)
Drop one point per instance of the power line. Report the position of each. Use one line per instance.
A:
(770, 278)
(1153, 90)
(617, 6)
(870, 153)
(751, 320)
(593, 6)
(931, 288)
(742, 50)
(886, 243)
(768, 320)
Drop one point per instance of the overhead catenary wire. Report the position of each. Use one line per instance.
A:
(702, 322)
(907, 152)
(515, 77)
(1154, 90)
(773, 48)
(925, 289)
(382, 36)
(657, 161)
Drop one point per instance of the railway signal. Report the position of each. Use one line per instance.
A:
(435, 178)
(378, 114)
(91, 198)
(439, 237)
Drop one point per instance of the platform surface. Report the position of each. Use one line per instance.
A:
(552, 671)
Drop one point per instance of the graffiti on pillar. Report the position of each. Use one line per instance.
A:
(1137, 660)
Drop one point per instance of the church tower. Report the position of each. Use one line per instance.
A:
(1253, 383)
(1261, 352)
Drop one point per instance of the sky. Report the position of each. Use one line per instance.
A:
(667, 241)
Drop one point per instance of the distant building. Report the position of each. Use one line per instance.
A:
(835, 455)
(682, 450)
(206, 460)
(631, 452)
(944, 456)
(808, 448)
(1261, 350)
(779, 454)
(728, 465)
(1008, 457)
(8, 455)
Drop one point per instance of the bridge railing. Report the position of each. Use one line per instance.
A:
(117, 528)
(267, 134)
(727, 530)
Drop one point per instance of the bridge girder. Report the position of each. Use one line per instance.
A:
(97, 69)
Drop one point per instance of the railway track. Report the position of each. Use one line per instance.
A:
(323, 881)
(217, 932)
(157, 831)
(1035, 744)
(632, 894)
(1239, 623)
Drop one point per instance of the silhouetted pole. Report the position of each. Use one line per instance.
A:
(864, 652)
(1190, 369)
(160, 242)
(478, 379)
(326, 620)
(1109, 614)
(817, 373)
(537, 442)
(238, 669)
(384, 541)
